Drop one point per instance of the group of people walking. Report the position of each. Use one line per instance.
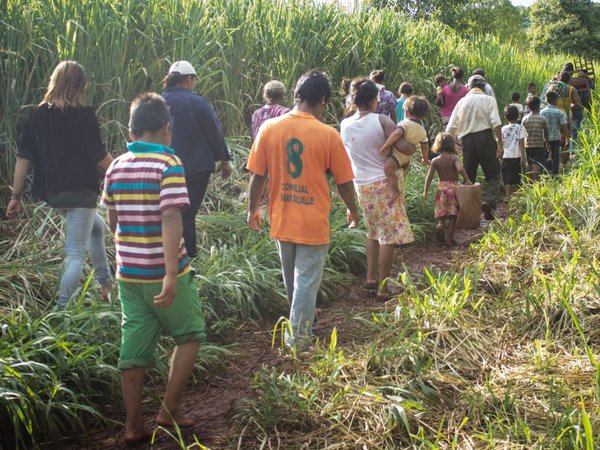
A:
(153, 191)
(152, 194)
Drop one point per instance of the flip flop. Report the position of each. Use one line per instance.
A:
(371, 285)
(440, 234)
(141, 439)
(383, 296)
(173, 424)
(488, 211)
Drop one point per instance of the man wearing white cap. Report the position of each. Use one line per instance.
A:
(488, 88)
(475, 120)
(196, 138)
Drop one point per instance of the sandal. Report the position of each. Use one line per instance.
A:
(371, 285)
(488, 211)
(383, 296)
(440, 232)
(105, 293)
(146, 436)
(186, 422)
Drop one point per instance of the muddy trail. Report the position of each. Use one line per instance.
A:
(212, 405)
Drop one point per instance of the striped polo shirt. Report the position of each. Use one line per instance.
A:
(139, 185)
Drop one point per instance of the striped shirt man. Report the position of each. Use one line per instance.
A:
(139, 185)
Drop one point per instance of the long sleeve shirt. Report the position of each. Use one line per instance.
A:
(196, 134)
(64, 146)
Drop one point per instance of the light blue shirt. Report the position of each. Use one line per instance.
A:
(556, 118)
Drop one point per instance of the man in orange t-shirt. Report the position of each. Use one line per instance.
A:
(297, 150)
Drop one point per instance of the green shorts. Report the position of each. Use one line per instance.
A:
(143, 323)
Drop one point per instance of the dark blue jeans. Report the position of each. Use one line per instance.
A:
(196, 184)
(552, 167)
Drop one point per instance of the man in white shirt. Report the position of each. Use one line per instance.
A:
(475, 120)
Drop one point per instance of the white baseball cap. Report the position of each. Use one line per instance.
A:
(475, 79)
(182, 68)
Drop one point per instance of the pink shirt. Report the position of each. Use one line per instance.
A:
(451, 99)
(267, 112)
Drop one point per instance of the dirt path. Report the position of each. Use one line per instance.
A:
(211, 405)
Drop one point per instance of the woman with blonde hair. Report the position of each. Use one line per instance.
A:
(274, 95)
(61, 139)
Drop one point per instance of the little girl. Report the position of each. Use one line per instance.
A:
(448, 167)
(411, 129)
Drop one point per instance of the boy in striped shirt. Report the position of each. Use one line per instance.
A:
(144, 191)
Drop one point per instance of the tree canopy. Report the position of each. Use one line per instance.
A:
(466, 16)
(569, 26)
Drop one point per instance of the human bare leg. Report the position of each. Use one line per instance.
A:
(440, 229)
(386, 257)
(132, 382)
(450, 233)
(390, 168)
(535, 172)
(372, 258)
(182, 364)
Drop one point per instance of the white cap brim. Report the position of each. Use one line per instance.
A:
(182, 68)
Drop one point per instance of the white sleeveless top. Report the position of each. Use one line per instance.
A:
(363, 136)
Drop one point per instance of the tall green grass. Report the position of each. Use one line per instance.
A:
(127, 46)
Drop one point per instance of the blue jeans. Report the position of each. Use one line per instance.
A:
(83, 226)
(577, 121)
(302, 267)
(554, 167)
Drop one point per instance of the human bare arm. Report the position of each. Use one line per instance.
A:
(112, 220)
(257, 187)
(401, 144)
(575, 98)
(14, 205)
(425, 153)
(386, 149)
(225, 169)
(522, 152)
(105, 162)
(429, 178)
(461, 170)
(439, 100)
(393, 116)
(171, 239)
(346, 191)
(500, 146)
